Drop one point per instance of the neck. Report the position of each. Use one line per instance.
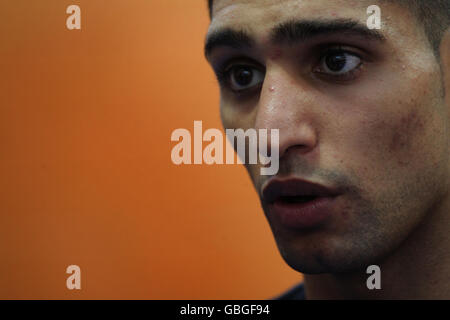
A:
(418, 269)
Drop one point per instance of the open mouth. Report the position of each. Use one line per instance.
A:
(295, 191)
(296, 199)
(299, 204)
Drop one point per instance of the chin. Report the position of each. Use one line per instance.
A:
(326, 256)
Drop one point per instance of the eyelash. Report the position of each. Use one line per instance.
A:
(348, 76)
(224, 71)
(223, 77)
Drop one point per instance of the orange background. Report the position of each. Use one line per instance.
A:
(86, 175)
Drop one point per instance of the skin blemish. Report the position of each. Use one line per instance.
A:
(405, 132)
(272, 89)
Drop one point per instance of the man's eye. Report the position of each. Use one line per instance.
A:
(242, 77)
(338, 63)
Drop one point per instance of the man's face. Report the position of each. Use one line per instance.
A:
(360, 113)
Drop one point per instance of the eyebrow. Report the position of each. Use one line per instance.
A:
(294, 31)
(227, 38)
(291, 32)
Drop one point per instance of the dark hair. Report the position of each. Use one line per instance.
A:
(433, 15)
(210, 4)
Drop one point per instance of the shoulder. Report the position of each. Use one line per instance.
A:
(295, 293)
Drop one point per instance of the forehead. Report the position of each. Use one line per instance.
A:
(224, 7)
(257, 17)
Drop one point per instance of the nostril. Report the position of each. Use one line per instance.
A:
(300, 148)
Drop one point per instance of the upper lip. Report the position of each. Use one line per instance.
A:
(292, 187)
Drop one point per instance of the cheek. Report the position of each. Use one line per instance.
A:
(234, 117)
(225, 116)
(254, 172)
(405, 137)
(398, 142)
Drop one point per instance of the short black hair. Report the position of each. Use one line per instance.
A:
(433, 15)
(210, 4)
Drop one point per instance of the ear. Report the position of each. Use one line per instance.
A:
(445, 60)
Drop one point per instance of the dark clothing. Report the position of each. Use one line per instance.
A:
(295, 293)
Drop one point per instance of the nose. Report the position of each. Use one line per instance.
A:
(287, 104)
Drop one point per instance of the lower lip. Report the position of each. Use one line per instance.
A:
(303, 215)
